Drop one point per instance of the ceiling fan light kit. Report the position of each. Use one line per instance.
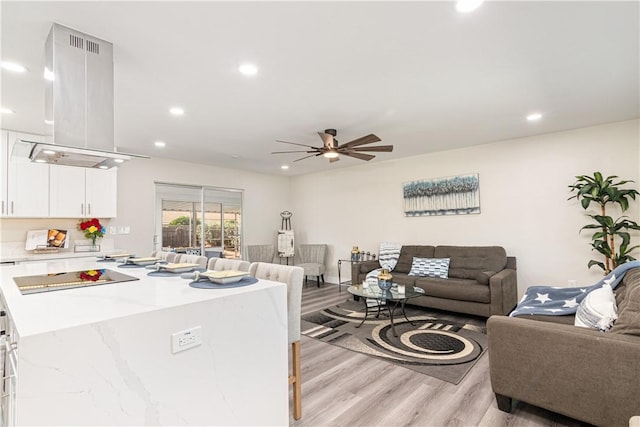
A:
(332, 150)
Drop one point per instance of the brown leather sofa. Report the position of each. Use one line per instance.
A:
(482, 279)
(582, 373)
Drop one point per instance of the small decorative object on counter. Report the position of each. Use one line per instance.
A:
(355, 254)
(92, 230)
(384, 280)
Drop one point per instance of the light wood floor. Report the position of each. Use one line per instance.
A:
(345, 388)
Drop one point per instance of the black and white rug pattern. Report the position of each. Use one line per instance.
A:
(431, 345)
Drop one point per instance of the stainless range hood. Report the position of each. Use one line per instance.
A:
(78, 104)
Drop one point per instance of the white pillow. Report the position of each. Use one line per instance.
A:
(598, 309)
(430, 267)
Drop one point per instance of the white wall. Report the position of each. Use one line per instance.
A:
(265, 196)
(523, 198)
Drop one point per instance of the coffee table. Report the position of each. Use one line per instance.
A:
(390, 296)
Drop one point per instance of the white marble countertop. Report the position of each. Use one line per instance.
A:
(50, 311)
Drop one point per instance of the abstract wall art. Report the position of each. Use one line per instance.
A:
(454, 195)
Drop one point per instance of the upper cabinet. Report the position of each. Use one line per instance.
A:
(80, 192)
(25, 185)
(34, 190)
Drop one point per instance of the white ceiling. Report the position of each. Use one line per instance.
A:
(417, 74)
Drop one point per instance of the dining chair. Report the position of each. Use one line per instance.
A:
(193, 259)
(260, 253)
(312, 261)
(222, 264)
(166, 256)
(292, 276)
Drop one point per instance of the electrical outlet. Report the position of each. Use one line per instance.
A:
(113, 229)
(186, 339)
(127, 229)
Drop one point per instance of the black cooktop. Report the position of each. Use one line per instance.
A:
(69, 280)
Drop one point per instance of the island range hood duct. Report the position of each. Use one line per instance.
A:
(78, 104)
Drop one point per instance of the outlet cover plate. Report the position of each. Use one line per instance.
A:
(184, 340)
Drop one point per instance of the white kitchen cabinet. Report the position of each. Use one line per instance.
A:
(25, 185)
(80, 192)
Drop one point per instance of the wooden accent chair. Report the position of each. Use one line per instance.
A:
(292, 276)
(222, 264)
(260, 253)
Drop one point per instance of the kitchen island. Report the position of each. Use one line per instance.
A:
(103, 355)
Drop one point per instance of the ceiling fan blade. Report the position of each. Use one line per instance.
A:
(334, 159)
(295, 143)
(284, 152)
(379, 148)
(360, 156)
(369, 139)
(306, 157)
(327, 139)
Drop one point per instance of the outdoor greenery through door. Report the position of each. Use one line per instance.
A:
(202, 220)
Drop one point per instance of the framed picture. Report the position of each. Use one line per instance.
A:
(453, 195)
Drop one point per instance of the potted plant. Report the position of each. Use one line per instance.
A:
(612, 237)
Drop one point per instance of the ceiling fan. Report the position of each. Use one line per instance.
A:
(332, 150)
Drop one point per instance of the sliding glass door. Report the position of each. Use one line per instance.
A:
(199, 220)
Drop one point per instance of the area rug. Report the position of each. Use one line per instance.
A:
(432, 346)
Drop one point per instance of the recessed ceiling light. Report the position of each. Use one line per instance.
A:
(160, 144)
(534, 116)
(118, 160)
(49, 152)
(248, 69)
(464, 6)
(40, 160)
(15, 67)
(103, 167)
(176, 111)
(48, 122)
(6, 110)
(284, 167)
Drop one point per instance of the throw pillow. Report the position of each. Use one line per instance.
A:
(598, 309)
(628, 322)
(430, 267)
(389, 253)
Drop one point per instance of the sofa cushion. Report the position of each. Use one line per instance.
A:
(408, 252)
(484, 276)
(597, 310)
(629, 309)
(404, 279)
(430, 267)
(456, 289)
(468, 261)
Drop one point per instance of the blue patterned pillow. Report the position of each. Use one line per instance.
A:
(430, 267)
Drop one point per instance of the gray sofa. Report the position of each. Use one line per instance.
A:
(585, 374)
(482, 279)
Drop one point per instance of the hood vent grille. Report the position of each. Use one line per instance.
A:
(75, 41)
(93, 47)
